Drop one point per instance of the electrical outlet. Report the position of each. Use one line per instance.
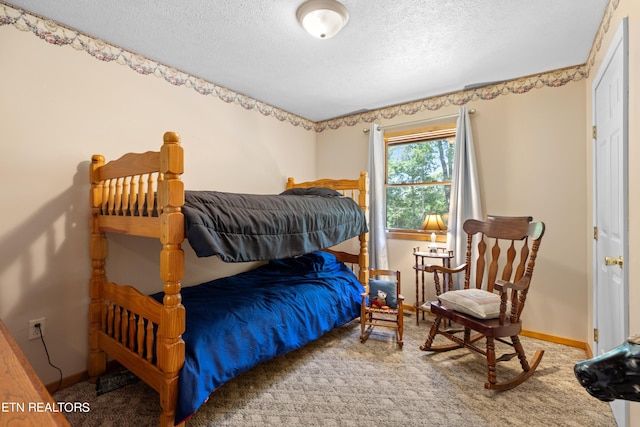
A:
(35, 332)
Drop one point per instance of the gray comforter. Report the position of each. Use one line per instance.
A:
(249, 227)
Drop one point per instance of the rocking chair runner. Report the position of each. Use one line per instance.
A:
(493, 316)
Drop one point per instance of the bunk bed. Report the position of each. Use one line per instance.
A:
(186, 342)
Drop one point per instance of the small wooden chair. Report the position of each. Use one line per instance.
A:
(478, 308)
(385, 308)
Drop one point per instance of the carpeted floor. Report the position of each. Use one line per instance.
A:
(338, 381)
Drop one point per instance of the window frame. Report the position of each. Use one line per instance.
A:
(424, 134)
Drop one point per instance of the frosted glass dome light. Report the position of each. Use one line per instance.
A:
(322, 18)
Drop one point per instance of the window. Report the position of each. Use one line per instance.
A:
(418, 178)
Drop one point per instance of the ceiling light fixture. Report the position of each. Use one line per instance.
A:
(322, 18)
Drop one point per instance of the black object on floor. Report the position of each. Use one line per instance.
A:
(114, 381)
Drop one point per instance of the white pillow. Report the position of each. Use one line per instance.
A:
(474, 302)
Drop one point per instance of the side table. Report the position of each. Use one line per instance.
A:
(419, 267)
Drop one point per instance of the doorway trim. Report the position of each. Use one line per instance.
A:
(619, 41)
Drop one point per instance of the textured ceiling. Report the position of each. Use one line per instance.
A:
(390, 52)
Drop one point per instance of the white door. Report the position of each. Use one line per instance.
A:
(610, 204)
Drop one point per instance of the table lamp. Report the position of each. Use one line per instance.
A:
(433, 223)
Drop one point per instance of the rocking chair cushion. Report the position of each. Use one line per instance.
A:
(388, 286)
(474, 302)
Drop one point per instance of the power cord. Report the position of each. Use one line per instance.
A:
(37, 325)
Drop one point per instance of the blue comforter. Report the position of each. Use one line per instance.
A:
(237, 322)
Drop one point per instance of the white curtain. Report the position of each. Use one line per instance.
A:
(378, 258)
(465, 191)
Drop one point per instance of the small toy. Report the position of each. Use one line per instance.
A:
(380, 300)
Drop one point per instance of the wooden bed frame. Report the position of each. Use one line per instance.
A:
(134, 329)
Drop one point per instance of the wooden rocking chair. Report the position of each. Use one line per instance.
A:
(389, 313)
(491, 311)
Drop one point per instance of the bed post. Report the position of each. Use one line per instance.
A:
(363, 201)
(97, 362)
(170, 346)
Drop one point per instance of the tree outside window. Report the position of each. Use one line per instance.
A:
(419, 173)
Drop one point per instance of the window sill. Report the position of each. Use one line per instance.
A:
(415, 235)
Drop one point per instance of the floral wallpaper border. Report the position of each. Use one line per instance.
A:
(59, 35)
(604, 29)
(518, 86)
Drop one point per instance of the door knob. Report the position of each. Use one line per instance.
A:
(609, 260)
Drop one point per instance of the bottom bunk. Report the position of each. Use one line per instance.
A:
(234, 323)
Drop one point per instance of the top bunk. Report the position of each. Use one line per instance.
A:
(142, 194)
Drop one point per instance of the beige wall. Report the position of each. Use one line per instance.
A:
(58, 106)
(531, 153)
(626, 9)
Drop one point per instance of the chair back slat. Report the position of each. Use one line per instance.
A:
(480, 262)
(508, 266)
(524, 256)
(493, 266)
(467, 271)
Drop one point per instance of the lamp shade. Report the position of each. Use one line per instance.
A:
(433, 222)
(322, 18)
